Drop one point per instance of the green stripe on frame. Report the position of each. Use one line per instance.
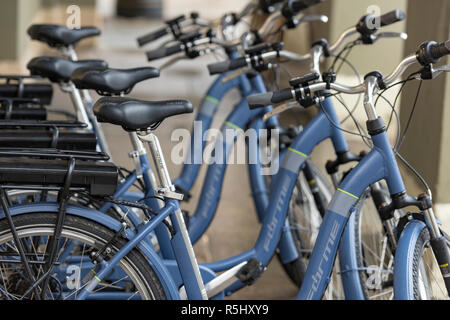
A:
(232, 125)
(348, 193)
(298, 152)
(212, 99)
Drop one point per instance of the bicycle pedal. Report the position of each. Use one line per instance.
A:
(252, 270)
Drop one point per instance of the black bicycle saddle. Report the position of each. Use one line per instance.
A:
(135, 115)
(60, 36)
(60, 69)
(111, 81)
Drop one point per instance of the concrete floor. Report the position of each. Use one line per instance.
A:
(235, 227)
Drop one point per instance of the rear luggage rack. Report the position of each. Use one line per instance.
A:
(48, 153)
(22, 108)
(21, 112)
(43, 124)
(15, 87)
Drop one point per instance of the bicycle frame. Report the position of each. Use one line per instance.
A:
(239, 118)
(273, 222)
(379, 164)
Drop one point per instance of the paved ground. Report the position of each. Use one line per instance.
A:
(235, 227)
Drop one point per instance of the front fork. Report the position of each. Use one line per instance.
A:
(438, 242)
(310, 177)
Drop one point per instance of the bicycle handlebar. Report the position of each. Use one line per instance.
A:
(195, 20)
(392, 17)
(152, 36)
(266, 99)
(225, 66)
(266, 5)
(234, 64)
(292, 7)
(431, 51)
(368, 24)
(441, 50)
(386, 19)
(164, 52)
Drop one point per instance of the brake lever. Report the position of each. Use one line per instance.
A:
(176, 58)
(312, 18)
(432, 73)
(440, 70)
(401, 35)
(284, 107)
(236, 74)
(167, 43)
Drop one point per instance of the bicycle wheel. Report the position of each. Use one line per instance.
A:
(421, 278)
(132, 278)
(374, 253)
(305, 220)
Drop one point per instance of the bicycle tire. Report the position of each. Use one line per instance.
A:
(134, 264)
(418, 276)
(367, 252)
(296, 269)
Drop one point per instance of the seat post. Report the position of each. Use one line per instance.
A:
(78, 103)
(84, 102)
(158, 158)
(166, 183)
(139, 150)
(70, 53)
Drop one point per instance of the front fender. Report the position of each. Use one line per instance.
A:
(404, 255)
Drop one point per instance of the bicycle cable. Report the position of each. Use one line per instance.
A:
(410, 116)
(347, 47)
(344, 60)
(337, 126)
(399, 141)
(365, 138)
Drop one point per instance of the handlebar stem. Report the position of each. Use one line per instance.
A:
(371, 88)
(316, 53)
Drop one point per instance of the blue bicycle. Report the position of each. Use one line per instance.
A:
(414, 278)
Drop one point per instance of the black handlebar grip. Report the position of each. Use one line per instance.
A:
(163, 52)
(293, 7)
(266, 4)
(256, 101)
(224, 66)
(259, 100)
(142, 41)
(440, 50)
(368, 24)
(300, 5)
(431, 51)
(392, 17)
